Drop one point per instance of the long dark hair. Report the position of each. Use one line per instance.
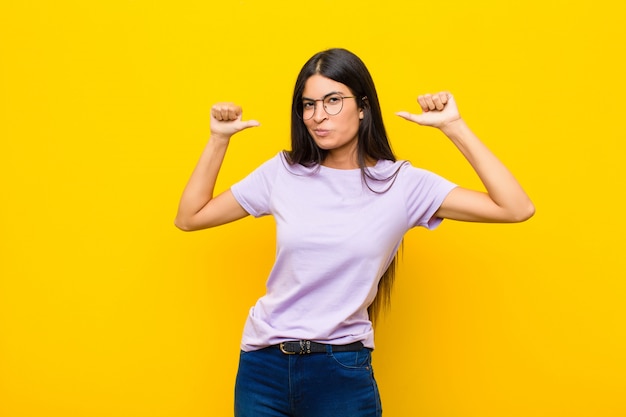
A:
(345, 67)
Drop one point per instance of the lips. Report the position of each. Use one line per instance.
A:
(321, 132)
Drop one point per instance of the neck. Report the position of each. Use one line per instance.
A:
(340, 161)
(345, 160)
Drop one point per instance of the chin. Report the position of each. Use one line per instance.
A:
(324, 145)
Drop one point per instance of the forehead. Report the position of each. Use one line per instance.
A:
(317, 86)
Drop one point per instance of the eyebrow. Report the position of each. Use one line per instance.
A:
(326, 95)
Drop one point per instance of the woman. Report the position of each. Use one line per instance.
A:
(342, 204)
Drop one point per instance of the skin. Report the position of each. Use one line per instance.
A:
(504, 200)
(338, 133)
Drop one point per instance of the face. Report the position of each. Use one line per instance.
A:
(334, 133)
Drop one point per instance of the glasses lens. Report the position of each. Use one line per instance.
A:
(308, 109)
(333, 104)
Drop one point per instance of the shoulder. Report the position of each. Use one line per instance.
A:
(409, 177)
(386, 169)
(408, 170)
(270, 166)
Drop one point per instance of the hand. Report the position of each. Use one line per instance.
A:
(226, 120)
(438, 110)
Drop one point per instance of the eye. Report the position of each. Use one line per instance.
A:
(308, 105)
(333, 99)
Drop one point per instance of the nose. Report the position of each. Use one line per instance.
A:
(319, 113)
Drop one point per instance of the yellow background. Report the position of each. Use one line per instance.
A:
(107, 310)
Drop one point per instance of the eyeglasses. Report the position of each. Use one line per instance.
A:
(332, 104)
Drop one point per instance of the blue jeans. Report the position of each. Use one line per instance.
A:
(332, 384)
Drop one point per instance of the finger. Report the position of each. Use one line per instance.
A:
(422, 102)
(437, 102)
(215, 112)
(220, 111)
(449, 97)
(233, 112)
(225, 111)
(428, 99)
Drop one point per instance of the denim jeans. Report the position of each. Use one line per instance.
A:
(332, 384)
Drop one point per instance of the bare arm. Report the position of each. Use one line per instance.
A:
(505, 200)
(198, 209)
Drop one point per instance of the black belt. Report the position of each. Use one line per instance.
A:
(304, 347)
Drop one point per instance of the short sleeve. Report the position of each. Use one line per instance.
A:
(424, 192)
(254, 191)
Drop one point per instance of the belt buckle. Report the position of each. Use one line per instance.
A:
(305, 348)
(282, 349)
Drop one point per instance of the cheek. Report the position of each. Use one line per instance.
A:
(351, 123)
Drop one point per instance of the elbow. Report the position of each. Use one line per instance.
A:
(182, 225)
(190, 224)
(524, 213)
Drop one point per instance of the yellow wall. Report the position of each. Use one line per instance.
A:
(107, 310)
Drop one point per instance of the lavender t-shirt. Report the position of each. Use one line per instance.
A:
(335, 239)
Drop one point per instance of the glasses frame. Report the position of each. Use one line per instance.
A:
(301, 108)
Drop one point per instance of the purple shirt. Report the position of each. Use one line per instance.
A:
(335, 239)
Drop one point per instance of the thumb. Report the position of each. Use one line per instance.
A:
(415, 118)
(249, 123)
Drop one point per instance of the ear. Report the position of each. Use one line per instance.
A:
(364, 101)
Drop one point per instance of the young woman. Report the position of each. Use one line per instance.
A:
(342, 204)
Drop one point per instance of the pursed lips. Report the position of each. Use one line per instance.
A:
(321, 132)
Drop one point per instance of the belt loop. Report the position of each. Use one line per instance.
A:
(329, 349)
